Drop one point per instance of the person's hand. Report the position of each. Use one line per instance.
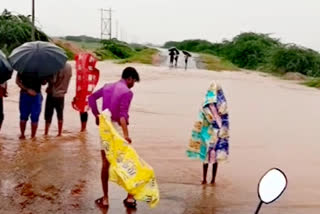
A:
(97, 121)
(31, 92)
(128, 139)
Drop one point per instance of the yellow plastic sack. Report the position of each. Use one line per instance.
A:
(127, 169)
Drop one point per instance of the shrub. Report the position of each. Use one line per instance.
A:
(16, 30)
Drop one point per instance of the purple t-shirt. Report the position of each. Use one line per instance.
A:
(116, 97)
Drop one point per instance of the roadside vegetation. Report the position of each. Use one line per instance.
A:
(125, 53)
(214, 63)
(16, 30)
(260, 52)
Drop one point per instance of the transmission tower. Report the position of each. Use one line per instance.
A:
(106, 23)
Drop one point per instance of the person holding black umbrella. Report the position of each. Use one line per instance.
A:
(30, 101)
(171, 54)
(176, 58)
(186, 58)
(35, 62)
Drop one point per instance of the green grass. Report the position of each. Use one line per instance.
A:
(214, 63)
(313, 82)
(105, 54)
(88, 45)
(145, 57)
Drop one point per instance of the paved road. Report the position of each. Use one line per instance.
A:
(191, 64)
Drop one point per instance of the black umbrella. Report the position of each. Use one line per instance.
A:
(5, 68)
(187, 53)
(174, 49)
(42, 58)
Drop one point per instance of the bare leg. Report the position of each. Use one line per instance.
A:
(46, 131)
(23, 125)
(34, 127)
(84, 119)
(60, 126)
(205, 170)
(214, 172)
(104, 201)
(83, 126)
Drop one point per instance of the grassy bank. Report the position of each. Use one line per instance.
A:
(312, 82)
(85, 42)
(145, 56)
(214, 63)
(125, 53)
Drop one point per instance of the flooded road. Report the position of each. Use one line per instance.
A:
(274, 123)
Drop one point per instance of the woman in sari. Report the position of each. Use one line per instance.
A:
(210, 136)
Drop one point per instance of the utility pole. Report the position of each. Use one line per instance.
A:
(33, 18)
(106, 23)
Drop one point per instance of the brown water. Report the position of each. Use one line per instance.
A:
(274, 124)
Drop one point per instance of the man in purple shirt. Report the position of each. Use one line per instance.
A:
(117, 98)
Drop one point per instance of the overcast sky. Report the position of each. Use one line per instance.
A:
(158, 21)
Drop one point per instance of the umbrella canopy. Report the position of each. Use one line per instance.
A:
(5, 68)
(42, 58)
(174, 49)
(187, 53)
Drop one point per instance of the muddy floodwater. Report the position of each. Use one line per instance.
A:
(274, 123)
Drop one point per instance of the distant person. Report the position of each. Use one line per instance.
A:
(57, 88)
(176, 58)
(210, 136)
(186, 58)
(116, 97)
(30, 101)
(3, 93)
(171, 55)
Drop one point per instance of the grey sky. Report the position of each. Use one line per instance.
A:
(158, 21)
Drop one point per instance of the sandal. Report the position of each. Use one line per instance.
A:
(128, 204)
(99, 202)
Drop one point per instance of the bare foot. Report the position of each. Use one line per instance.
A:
(102, 202)
(213, 182)
(204, 182)
(59, 135)
(22, 137)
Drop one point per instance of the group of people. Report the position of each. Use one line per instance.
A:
(174, 58)
(115, 96)
(30, 101)
(209, 141)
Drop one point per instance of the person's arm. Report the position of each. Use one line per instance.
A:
(124, 126)
(3, 90)
(124, 114)
(93, 103)
(216, 115)
(29, 91)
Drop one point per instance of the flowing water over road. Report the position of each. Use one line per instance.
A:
(273, 124)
